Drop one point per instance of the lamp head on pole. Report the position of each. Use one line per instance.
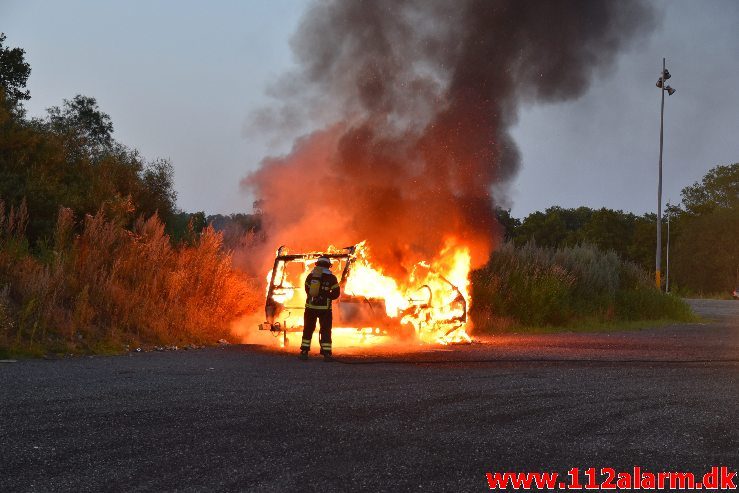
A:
(662, 82)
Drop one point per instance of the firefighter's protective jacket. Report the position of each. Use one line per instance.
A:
(321, 287)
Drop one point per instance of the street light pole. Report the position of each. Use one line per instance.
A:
(662, 84)
(658, 261)
(667, 276)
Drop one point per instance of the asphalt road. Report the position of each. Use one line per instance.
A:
(242, 418)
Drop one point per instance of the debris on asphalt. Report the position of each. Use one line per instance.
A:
(169, 348)
(8, 361)
(223, 342)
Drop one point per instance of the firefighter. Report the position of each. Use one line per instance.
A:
(321, 287)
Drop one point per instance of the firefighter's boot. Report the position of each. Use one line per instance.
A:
(303, 355)
(327, 358)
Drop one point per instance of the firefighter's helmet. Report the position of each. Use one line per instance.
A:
(323, 262)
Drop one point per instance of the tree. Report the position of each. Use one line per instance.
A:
(719, 188)
(555, 227)
(81, 121)
(158, 193)
(32, 167)
(543, 228)
(609, 230)
(706, 252)
(186, 227)
(70, 159)
(644, 241)
(507, 222)
(706, 255)
(575, 220)
(14, 73)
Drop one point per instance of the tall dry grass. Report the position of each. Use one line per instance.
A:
(531, 286)
(106, 285)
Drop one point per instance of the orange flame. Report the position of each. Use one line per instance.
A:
(428, 305)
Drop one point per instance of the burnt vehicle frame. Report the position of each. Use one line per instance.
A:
(360, 311)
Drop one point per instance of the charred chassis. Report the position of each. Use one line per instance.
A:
(353, 311)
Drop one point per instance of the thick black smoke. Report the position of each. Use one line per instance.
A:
(416, 99)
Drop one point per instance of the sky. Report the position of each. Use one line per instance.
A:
(180, 80)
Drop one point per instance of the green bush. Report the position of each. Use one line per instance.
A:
(646, 303)
(535, 286)
(523, 284)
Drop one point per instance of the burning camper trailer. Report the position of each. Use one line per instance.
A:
(427, 306)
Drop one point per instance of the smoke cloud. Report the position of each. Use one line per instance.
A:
(413, 101)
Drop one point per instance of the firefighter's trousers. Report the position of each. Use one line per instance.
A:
(324, 317)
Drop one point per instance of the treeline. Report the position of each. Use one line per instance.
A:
(93, 251)
(704, 233)
(69, 158)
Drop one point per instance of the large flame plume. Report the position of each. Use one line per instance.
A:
(413, 101)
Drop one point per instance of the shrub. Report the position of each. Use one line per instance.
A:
(109, 284)
(534, 286)
(523, 284)
(648, 303)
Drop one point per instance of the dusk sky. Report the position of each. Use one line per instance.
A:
(181, 79)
